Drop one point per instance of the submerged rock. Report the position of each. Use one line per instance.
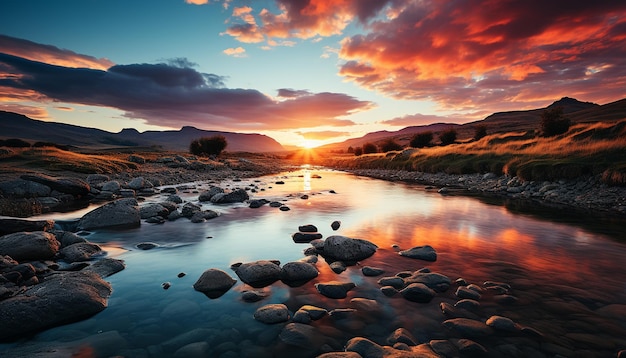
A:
(272, 313)
(426, 253)
(418, 292)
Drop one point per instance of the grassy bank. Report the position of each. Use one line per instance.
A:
(586, 149)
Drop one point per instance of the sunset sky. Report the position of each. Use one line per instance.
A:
(304, 71)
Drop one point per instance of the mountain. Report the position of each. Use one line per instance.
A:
(13, 125)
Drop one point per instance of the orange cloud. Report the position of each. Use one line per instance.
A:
(235, 52)
(50, 54)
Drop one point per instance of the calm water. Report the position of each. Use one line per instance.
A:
(566, 271)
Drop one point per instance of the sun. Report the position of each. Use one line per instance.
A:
(309, 144)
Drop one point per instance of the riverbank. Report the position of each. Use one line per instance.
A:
(588, 193)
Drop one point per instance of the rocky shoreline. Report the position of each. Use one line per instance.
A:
(589, 194)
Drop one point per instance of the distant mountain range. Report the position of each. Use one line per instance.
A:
(577, 111)
(13, 125)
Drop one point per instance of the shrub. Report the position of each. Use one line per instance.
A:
(480, 131)
(448, 136)
(421, 140)
(358, 151)
(389, 144)
(553, 122)
(206, 146)
(369, 148)
(350, 150)
(14, 143)
(50, 144)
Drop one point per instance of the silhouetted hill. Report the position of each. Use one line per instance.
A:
(13, 125)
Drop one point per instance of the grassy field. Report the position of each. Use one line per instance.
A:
(586, 149)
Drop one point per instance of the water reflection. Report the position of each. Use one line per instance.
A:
(563, 275)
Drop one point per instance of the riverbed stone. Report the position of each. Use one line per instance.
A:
(235, 196)
(272, 313)
(305, 237)
(434, 280)
(347, 249)
(61, 298)
(12, 225)
(81, 251)
(208, 194)
(500, 323)
(464, 292)
(214, 283)
(189, 209)
(334, 289)
(426, 253)
(468, 328)
(314, 312)
(298, 272)
(338, 267)
(259, 273)
(394, 281)
(372, 271)
(23, 246)
(67, 185)
(402, 335)
(118, 213)
(204, 215)
(335, 225)
(153, 209)
(418, 292)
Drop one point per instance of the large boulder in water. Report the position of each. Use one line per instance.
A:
(61, 298)
(343, 248)
(214, 283)
(259, 273)
(121, 212)
(297, 273)
(73, 186)
(235, 196)
(23, 246)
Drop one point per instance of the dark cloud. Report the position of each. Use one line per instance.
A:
(171, 96)
(291, 93)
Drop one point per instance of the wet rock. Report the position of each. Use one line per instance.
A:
(366, 305)
(467, 304)
(106, 267)
(255, 204)
(214, 283)
(338, 267)
(166, 285)
(313, 312)
(500, 323)
(464, 292)
(305, 237)
(372, 271)
(259, 273)
(73, 186)
(137, 183)
(136, 159)
(284, 208)
(82, 251)
(444, 348)
(469, 348)
(253, 295)
(426, 253)
(174, 215)
(153, 209)
(59, 299)
(365, 347)
(307, 228)
(505, 299)
(418, 292)
(112, 186)
(275, 204)
(335, 225)
(23, 189)
(389, 291)
(402, 335)
(202, 216)
(468, 327)
(300, 335)
(393, 281)
(67, 238)
(334, 289)
(343, 248)
(193, 350)
(434, 280)
(298, 272)
(23, 246)
(10, 225)
(189, 209)
(174, 199)
(235, 196)
(119, 213)
(272, 313)
(207, 195)
(146, 245)
(340, 355)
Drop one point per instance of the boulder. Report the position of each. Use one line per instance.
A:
(153, 209)
(73, 186)
(334, 289)
(121, 212)
(105, 267)
(82, 251)
(297, 273)
(434, 280)
(189, 209)
(418, 292)
(207, 195)
(61, 298)
(301, 335)
(426, 253)
(9, 225)
(202, 216)
(112, 186)
(342, 248)
(23, 189)
(272, 313)
(137, 183)
(214, 283)
(235, 196)
(67, 238)
(24, 246)
(500, 323)
(259, 273)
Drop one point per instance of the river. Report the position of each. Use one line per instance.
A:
(566, 273)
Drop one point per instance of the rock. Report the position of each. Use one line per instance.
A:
(300, 335)
(193, 350)
(153, 209)
(73, 186)
(136, 159)
(342, 313)
(106, 267)
(313, 311)
(137, 183)
(434, 280)
(426, 253)
(284, 208)
(97, 179)
(24, 246)
(23, 189)
(118, 213)
(307, 228)
(235, 196)
(67, 238)
(175, 215)
(112, 186)
(334, 289)
(340, 355)
(365, 347)
(389, 291)
(253, 295)
(255, 204)
(259, 273)
(500, 323)
(214, 283)
(469, 348)
(372, 271)
(10, 226)
(464, 292)
(418, 292)
(174, 199)
(61, 298)
(402, 335)
(202, 216)
(305, 237)
(272, 313)
(208, 194)
(467, 304)
(298, 273)
(146, 245)
(366, 305)
(189, 209)
(82, 251)
(468, 327)
(505, 299)
(338, 267)
(342, 248)
(335, 225)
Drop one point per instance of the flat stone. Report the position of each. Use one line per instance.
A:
(372, 271)
(426, 253)
(272, 313)
(334, 289)
(418, 292)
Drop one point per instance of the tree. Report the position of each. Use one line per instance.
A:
(206, 146)
(350, 150)
(448, 136)
(421, 140)
(480, 131)
(369, 148)
(389, 144)
(553, 122)
(358, 151)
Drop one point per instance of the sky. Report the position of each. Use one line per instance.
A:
(304, 72)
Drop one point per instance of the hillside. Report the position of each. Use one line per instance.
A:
(13, 125)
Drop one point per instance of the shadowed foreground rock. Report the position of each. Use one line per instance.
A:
(122, 212)
(23, 246)
(62, 298)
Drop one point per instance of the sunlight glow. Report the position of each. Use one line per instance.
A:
(309, 143)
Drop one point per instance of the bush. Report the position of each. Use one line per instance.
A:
(448, 136)
(358, 151)
(553, 122)
(14, 143)
(389, 144)
(350, 150)
(421, 140)
(206, 146)
(369, 148)
(480, 131)
(50, 144)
